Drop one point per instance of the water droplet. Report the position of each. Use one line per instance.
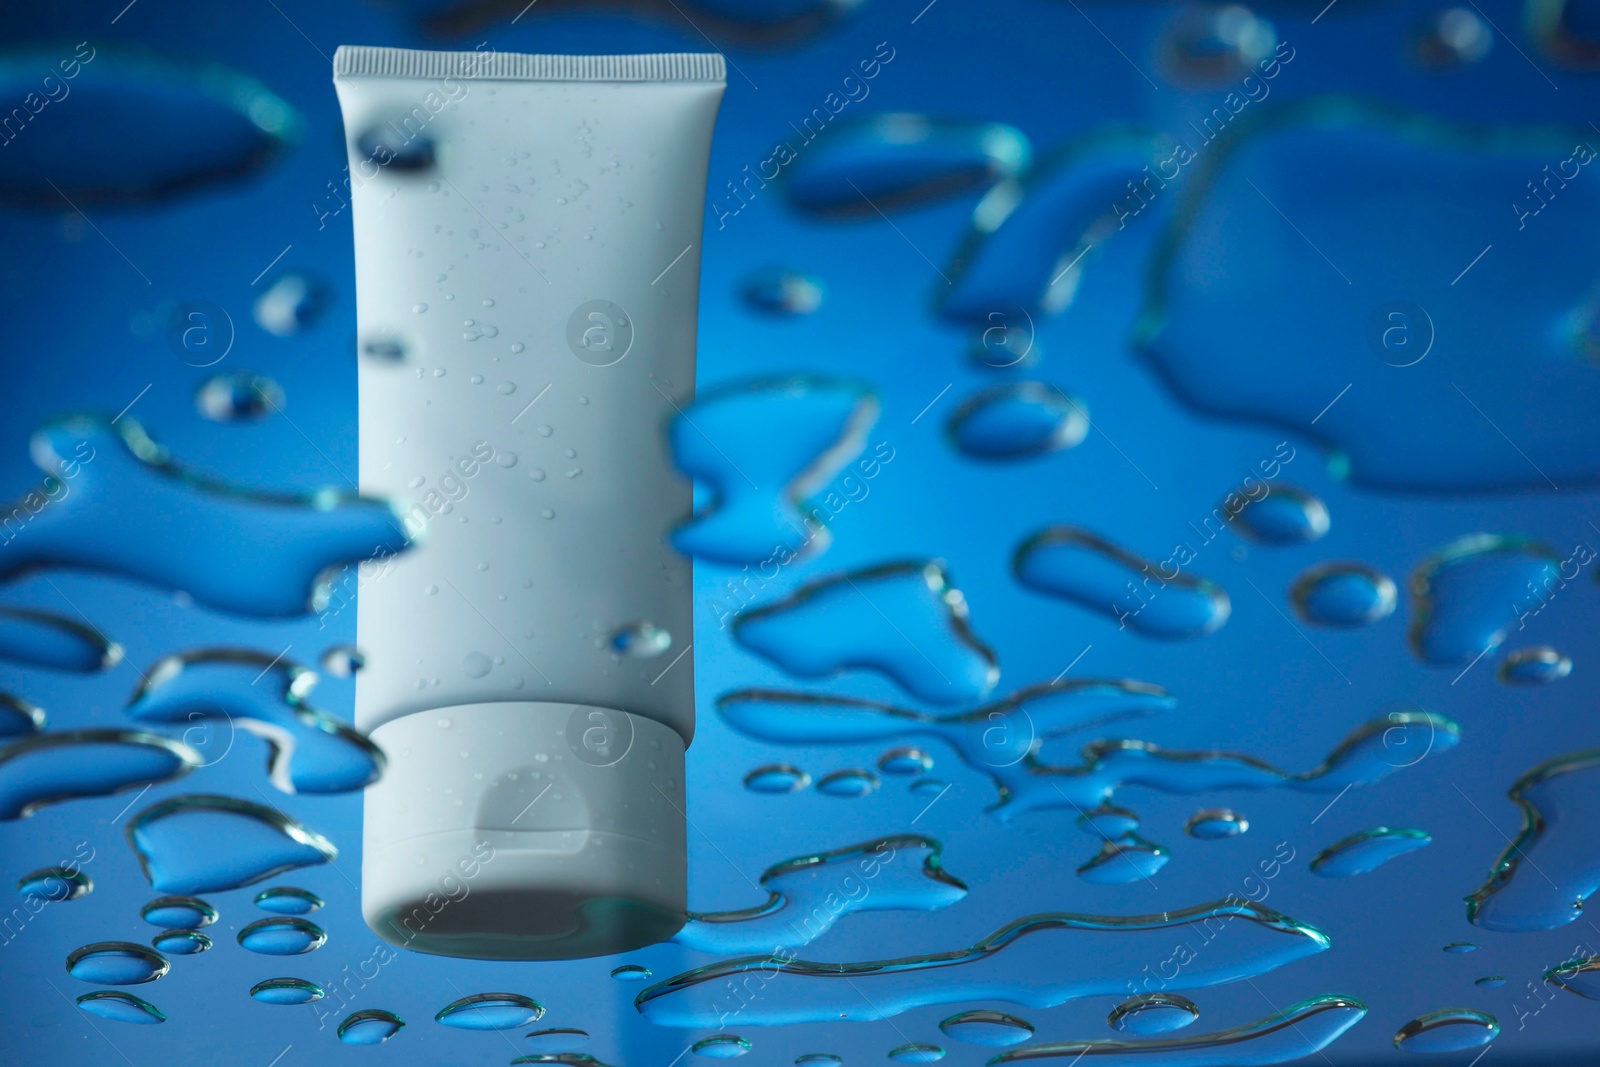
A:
(41, 769)
(490, 1011)
(1209, 824)
(1365, 852)
(203, 844)
(370, 1026)
(995, 1029)
(1149, 1014)
(905, 761)
(1214, 44)
(640, 640)
(238, 396)
(906, 620)
(775, 291)
(55, 883)
(1533, 666)
(181, 942)
(120, 1007)
(720, 1046)
(1491, 981)
(1468, 594)
(343, 661)
(916, 1053)
(630, 972)
(286, 936)
(287, 900)
(850, 782)
(1559, 804)
(1017, 420)
(898, 160)
(1461, 946)
(928, 787)
(116, 963)
(818, 1059)
(1453, 37)
(779, 444)
(18, 717)
(1580, 975)
(292, 303)
(178, 913)
(1286, 515)
(1448, 1030)
(294, 544)
(286, 991)
(384, 347)
(804, 901)
(1342, 594)
(216, 691)
(506, 459)
(1076, 565)
(1296, 1032)
(996, 738)
(395, 147)
(161, 126)
(777, 778)
(557, 1040)
(45, 639)
(1124, 861)
(476, 665)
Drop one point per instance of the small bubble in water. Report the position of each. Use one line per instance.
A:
(490, 1011)
(630, 972)
(419, 308)
(238, 396)
(178, 913)
(536, 474)
(506, 459)
(517, 346)
(546, 431)
(476, 664)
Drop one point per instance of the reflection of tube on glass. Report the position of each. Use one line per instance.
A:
(527, 235)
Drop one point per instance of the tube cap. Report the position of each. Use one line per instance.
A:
(525, 831)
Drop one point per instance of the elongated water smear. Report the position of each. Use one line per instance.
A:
(808, 894)
(1298, 1030)
(1003, 739)
(1560, 801)
(1038, 961)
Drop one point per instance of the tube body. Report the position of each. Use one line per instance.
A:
(527, 234)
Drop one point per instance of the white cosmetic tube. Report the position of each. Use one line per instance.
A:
(527, 232)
